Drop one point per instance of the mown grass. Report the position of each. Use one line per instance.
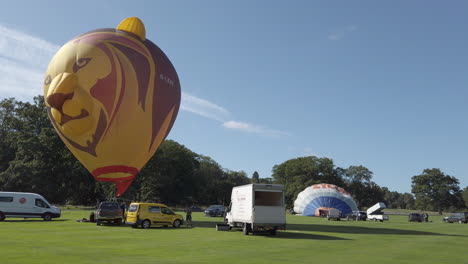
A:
(307, 240)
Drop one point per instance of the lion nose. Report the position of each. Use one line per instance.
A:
(61, 89)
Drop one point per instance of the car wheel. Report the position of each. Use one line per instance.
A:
(98, 222)
(146, 224)
(272, 232)
(47, 217)
(2, 216)
(118, 221)
(176, 223)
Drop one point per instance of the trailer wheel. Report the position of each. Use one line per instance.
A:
(246, 229)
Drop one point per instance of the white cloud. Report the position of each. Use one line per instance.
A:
(24, 59)
(203, 107)
(251, 128)
(23, 62)
(340, 33)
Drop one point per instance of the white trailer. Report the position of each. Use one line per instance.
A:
(375, 212)
(257, 207)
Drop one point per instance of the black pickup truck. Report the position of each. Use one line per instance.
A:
(109, 212)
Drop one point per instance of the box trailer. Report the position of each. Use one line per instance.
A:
(375, 212)
(257, 207)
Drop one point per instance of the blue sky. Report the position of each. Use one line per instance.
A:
(372, 83)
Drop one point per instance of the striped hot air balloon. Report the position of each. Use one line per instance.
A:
(319, 198)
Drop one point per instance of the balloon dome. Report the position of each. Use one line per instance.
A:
(318, 198)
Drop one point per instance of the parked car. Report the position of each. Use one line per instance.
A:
(109, 212)
(147, 214)
(215, 210)
(415, 217)
(195, 208)
(457, 218)
(357, 216)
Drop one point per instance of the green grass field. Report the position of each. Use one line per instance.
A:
(307, 240)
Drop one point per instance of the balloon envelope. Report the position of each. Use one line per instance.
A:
(112, 96)
(323, 196)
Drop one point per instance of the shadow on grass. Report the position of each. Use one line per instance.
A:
(37, 220)
(360, 230)
(279, 234)
(336, 229)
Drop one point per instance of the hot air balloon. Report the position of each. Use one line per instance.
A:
(112, 96)
(318, 198)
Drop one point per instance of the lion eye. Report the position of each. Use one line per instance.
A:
(47, 80)
(80, 63)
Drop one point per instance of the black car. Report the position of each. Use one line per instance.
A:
(415, 217)
(195, 208)
(214, 210)
(457, 218)
(357, 216)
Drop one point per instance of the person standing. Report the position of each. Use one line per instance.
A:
(188, 217)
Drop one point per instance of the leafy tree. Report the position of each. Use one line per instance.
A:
(359, 184)
(255, 177)
(435, 190)
(296, 174)
(465, 196)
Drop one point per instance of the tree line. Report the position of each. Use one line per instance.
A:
(34, 159)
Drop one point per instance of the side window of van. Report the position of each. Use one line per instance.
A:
(41, 203)
(154, 209)
(6, 199)
(166, 210)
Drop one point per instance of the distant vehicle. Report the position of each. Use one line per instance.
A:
(333, 214)
(26, 205)
(415, 217)
(215, 210)
(148, 214)
(375, 212)
(357, 216)
(457, 218)
(109, 212)
(195, 208)
(256, 207)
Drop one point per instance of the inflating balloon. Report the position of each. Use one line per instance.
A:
(321, 197)
(112, 96)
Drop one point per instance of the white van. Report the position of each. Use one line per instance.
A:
(26, 205)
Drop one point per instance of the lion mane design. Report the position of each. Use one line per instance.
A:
(112, 96)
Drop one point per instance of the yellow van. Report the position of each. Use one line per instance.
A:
(148, 214)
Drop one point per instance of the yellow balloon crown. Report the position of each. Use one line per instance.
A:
(133, 25)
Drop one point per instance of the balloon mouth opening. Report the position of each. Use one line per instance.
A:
(121, 175)
(323, 211)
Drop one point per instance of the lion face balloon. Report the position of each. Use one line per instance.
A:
(112, 97)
